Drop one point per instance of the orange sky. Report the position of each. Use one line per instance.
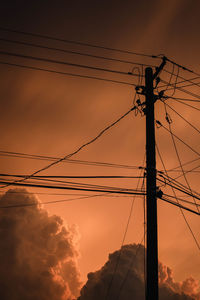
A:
(49, 114)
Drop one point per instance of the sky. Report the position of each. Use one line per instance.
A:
(51, 114)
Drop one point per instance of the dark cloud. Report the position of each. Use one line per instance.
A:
(128, 282)
(38, 256)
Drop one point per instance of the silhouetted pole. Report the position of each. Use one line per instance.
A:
(151, 201)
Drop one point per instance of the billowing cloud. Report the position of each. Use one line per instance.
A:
(128, 281)
(38, 256)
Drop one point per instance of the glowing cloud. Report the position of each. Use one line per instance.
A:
(128, 280)
(38, 256)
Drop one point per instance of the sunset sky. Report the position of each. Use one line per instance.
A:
(52, 115)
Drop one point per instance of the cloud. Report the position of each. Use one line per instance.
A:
(38, 253)
(128, 281)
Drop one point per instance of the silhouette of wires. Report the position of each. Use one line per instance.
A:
(65, 63)
(185, 99)
(124, 237)
(174, 193)
(189, 123)
(47, 37)
(75, 188)
(183, 90)
(182, 102)
(65, 73)
(187, 145)
(130, 62)
(179, 159)
(76, 151)
(71, 161)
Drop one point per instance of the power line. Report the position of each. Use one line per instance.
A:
(74, 52)
(186, 104)
(186, 171)
(178, 157)
(68, 183)
(169, 180)
(52, 194)
(181, 210)
(180, 206)
(189, 171)
(183, 99)
(183, 90)
(191, 83)
(65, 63)
(55, 201)
(193, 150)
(50, 202)
(80, 148)
(124, 191)
(181, 117)
(75, 161)
(180, 199)
(178, 188)
(66, 73)
(130, 267)
(181, 66)
(123, 239)
(186, 85)
(70, 176)
(76, 42)
(184, 164)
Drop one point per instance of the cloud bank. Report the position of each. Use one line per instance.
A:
(38, 253)
(128, 282)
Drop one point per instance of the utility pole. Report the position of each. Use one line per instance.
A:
(151, 201)
(151, 190)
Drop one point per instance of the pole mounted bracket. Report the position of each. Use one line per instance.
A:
(159, 193)
(159, 69)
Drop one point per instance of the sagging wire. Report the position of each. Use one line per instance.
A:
(125, 233)
(175, 196)
(178, 157)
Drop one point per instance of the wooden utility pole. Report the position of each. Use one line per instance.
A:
(151, 201)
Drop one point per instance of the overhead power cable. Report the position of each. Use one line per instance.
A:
(65, 63)
(186, 171)
(65, 73)
(180, 206)
(183, 90)
(181, 209)
(73, 161)
(184, 164)
(121, 287)
(182, 200)
(50, 202)
(189, 171)
(118, 191)
(186, 104)
(193, 150)
(172, 181)
(177, 188)
(56, 201)
(76, 42)
(72, 177)
(181, 66)
(189, 123)
(69, 183)
(24, 192)
(79, 149)
(74, 52)
(124, 237)
(183, 99)
(184, 80)
(178, 156)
